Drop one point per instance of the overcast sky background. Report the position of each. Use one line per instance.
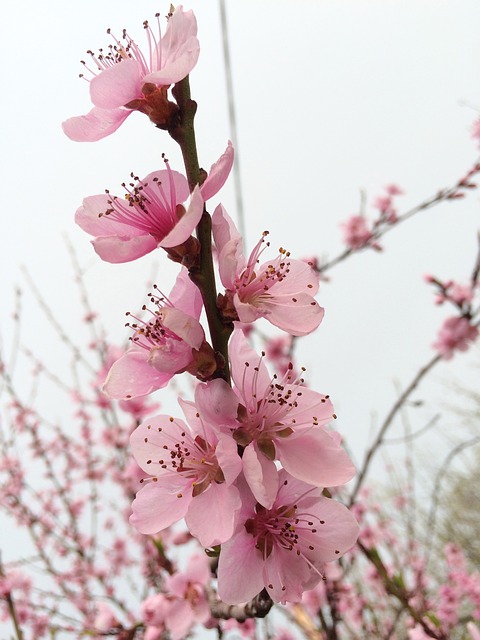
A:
(332, 97)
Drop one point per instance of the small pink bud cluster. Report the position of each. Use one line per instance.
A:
(359, 233)
(457, 332)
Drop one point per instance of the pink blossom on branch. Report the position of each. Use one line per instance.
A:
(456, 334)
(281, 290)
(356, 233)
(171, 341)
(193, 469)
(284, 548)
(125, 79)
(151, 215)
(274, 419)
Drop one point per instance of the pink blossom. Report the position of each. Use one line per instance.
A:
(14, 580)
(284, 548)
(193, 469)
(105, 618)
(277, 419)
(126, 80)
(189, 604)
(154, 609)
(162, 346)
(394, 190)
(281, 290)
(150, 215)
(475, 132)
(460, 294)
(356, 233)
(457, 333)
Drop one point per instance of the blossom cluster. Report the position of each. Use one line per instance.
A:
(457, 332)
(247, 465)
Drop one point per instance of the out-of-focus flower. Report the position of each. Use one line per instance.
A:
(456, 334)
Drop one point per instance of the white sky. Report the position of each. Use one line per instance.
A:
(331, 97)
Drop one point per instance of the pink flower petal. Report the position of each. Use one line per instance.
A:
(211, 516)
(179, 49)
(241, 559)
(171, 357)
(217, 403)
(186, 296)
(252, 379)
(184, 326)
(132, 376)
(95, 125)
(186, 225)
(230, 462)
(261, 475)
(218, 174)
(298, 314)
(116, 249)
(116, 86)
(154, 509)
(315, 458)
(301, 277)
(90, 218)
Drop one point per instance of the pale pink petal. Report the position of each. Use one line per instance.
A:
(117, 85)
(314, 408)
(179, 49)
(132, 376)
(315, 458)
(90, 217)
(298, 314)
(187, 223)
(229, 245)
(251, 380)
(147, 442)
(212, 515)
(261, 475)
(300, 277)
(95, 125)
(229, 461)
(171, 357)
(223, 227)
(217, 403)
(186, 296)
(284, 576)
(179, 619)
(174, 187)
(184, 326)
(154, 509)
(177, 69)
(239, 558)
(117, 249)
(218, 174)
(249, 312)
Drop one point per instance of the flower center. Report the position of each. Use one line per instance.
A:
(147, 206)
(152, 333)
(193, 457)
